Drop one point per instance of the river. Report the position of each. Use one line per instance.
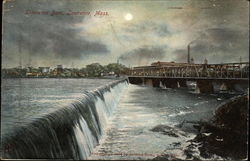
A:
(142, 124)
(142, 108)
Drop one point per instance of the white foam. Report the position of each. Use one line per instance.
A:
(105, 107)
(85, 139)
(180, 113)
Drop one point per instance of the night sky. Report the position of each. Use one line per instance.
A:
(133, 32)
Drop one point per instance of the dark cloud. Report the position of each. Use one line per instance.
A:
(218, 45)
(222, 13)
(220, 9)
(54, 39)
(181, 55)
(143, 55)
(46, 35)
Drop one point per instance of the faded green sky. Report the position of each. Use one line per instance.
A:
(159, 30)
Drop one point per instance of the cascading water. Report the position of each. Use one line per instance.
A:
(69, 133)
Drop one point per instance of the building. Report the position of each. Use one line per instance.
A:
(29, 69)
(164, 64)
(32, 74)
(59, 69)
(44, 69)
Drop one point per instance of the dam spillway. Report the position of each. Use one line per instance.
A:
(70, 132)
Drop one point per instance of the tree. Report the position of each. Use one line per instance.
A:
(116, 68)
(94, 70)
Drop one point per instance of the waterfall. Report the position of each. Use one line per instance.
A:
(71, 132)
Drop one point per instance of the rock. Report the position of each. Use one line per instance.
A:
(167, 157)
(165, 130)
(175, 144)
(227, 132)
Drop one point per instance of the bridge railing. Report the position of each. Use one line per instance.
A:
(230, 70)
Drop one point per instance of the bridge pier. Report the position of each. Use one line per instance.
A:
(182, 83)
(147, 82)
(156, 82)
(204, 86)
(136, 80)
(151, 82)
(230, 86)
(225, 87)
(235, 86)
(170, 83)
(219, 86)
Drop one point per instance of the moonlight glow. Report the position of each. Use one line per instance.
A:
(128, 16)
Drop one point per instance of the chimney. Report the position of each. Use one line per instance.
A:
(188, 56)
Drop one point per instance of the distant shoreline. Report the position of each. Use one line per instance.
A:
(115, 78)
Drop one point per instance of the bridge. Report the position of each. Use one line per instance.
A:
(173, 75)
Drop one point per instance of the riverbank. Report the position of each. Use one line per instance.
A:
(225, 136)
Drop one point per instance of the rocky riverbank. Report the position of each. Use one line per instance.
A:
(224, 136)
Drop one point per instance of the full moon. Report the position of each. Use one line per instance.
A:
(128, 16)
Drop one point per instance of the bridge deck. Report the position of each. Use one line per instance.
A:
(229, 71)
(189, 78)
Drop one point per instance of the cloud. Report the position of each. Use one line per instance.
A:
(217, 45)
(162, 30)
(159, 29)
(180, 55)
(143, 55)
(46, 35)
(217, 28)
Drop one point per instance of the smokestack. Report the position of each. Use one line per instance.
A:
(188, 56)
